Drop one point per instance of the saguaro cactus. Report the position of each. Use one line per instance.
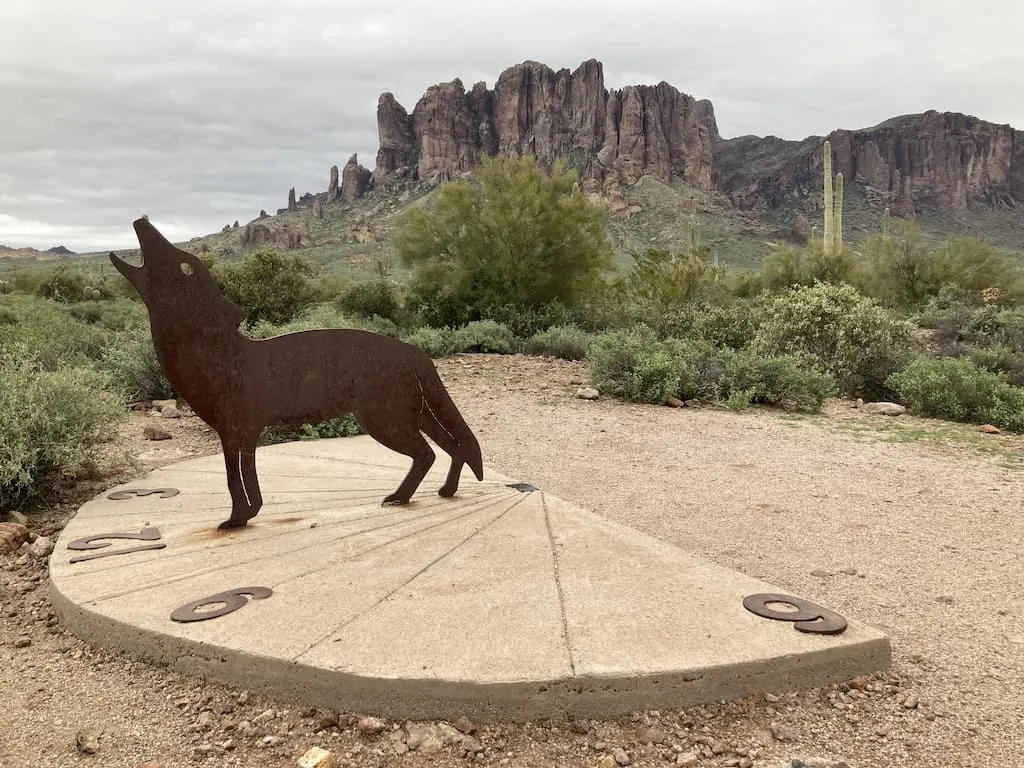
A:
(833, 236)
(837, 216)
(828, 197)
(885, 224)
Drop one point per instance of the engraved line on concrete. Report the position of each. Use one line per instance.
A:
(558, 585)
(407, 515)
(371, 496)
(388, 543)
(213, 569)
(404, 584)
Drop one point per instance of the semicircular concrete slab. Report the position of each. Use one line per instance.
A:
(503, 602)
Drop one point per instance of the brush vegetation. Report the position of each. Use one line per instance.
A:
(516, 260)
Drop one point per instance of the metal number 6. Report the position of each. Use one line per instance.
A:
(233, 599)
(808, 617)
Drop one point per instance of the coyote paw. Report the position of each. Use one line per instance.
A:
(447, 491)
(394, 500)
(232, 522)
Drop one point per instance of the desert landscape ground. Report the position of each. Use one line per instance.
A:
(907, 524)
(738, 288)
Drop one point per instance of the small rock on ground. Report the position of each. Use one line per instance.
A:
(150, 432)
(885, 409)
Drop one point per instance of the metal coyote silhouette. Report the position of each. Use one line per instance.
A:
(239, 385)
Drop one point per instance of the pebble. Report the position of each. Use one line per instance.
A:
(88, 741)
(464, 725)
(911, 701)
(370, 726)
(687, 759)
(151, 432)
(271, 741)
(587, 393)
(653, 736)
(782, 732)
(41, 547)
(22, 642)
(621, 756)
(470, 746)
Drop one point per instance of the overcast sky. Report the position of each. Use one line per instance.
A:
(200, 112)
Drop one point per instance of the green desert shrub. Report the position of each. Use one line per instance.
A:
(374, 298)
(958, 390)
(733, 324)
(267, 285)
(515, 234)
(320, 316)
(50, 421)
(784, 382)
(635, 365)
(565, 341)
(485, 336)
(56, 339)
(436, 342)
(342, 426)
(133, 368)
(839, 331)
(524, 322)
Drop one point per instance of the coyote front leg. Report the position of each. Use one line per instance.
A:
(243, 485)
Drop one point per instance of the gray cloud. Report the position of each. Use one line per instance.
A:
(201, 112)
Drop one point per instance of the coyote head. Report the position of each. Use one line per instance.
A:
(174, 284)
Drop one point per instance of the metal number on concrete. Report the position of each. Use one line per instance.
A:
(128, 493)
(233, 599)
(149, 533)
(808, 617)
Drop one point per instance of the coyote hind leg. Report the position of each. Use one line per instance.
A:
(440, 435)
(409, 442)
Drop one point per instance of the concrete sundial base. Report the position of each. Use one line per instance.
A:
(504, 602)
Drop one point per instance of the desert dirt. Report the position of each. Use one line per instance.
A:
(909, 525)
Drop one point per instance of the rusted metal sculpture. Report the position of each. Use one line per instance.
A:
(239, 385)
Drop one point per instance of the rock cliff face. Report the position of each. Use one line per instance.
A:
(616, 135)
(913, 163)
(936, 161)
(354, 180)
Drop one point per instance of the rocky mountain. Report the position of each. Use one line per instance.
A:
(933, 161)
(33, 254)
(608, 135)
(939, 161)
(655, 154)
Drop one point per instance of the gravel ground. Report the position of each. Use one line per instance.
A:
(901, 523)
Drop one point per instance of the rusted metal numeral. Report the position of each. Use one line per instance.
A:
(233, 599)
(92, 542)
(808, 617)
(128, 493)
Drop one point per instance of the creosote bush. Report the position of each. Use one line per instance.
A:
(956, 389)
(564, 341)
(840, 331)
(51, 421)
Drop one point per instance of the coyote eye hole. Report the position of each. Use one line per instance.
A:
(186, 268)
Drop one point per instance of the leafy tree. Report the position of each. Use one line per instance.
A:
(514, 235)
(267, 285)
